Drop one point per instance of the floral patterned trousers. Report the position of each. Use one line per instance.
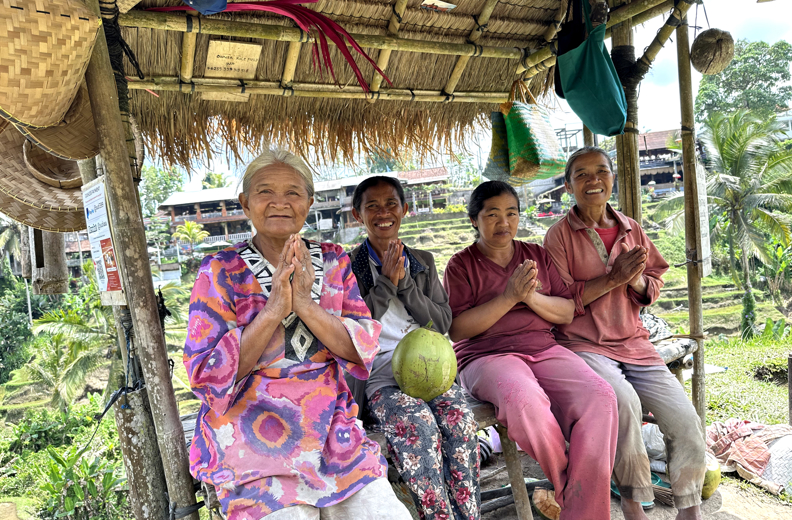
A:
(434, 447)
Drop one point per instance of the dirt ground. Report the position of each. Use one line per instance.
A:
(8, 511)
(730, 502)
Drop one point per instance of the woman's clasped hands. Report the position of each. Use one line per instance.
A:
(521, 286)
(292, 280)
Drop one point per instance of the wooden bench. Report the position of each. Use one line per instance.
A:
(671, 350)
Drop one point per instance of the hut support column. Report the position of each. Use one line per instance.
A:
(629, 177)
(135, 271)
(588, 137)
(50, 275)
(692, 222)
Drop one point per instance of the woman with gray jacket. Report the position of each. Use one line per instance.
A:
(433, 444)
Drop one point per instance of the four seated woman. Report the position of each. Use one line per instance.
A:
(506, 296)
(401, 288)
(272, 322)
(613, 269)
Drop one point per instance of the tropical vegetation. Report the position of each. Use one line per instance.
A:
(191, 232)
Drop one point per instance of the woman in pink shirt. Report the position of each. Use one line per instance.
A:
(612, 270)
(505, 297)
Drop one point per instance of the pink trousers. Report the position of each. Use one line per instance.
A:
(549, 399)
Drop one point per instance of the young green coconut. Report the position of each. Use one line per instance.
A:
(424, 364)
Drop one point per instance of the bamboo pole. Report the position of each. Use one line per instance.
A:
(617, 16)
(292, 57)
(459, 67)
(309, 90)
(674, 20)
(629, 174)
(692, 221)
(187, 56)
(588, 136)
(384, 56)
(135, 272)
(176, 22)
(539, 67)
(647, 15)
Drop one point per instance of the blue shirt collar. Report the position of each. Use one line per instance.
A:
(377, 261)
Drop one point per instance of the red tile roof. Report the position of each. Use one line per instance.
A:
(651, 141)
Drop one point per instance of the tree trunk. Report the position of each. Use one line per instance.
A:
(24, 246)
(732, 256)
(50, 275)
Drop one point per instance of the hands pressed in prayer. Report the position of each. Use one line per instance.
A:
(304, 275)
(281, 297)
(629, 266)
(521, 286)
(393, 263)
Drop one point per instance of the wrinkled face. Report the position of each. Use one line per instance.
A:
(381, 211)
(498, 221)
(277, 202)
(591, 181)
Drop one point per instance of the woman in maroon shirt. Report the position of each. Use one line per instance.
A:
(505, 298)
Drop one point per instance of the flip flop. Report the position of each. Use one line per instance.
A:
(644, 505)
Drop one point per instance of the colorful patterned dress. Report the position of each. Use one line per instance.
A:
(285, 434)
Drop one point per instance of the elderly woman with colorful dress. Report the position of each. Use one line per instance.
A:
(506, 296)
(613, 270)
(433, 444)
(273, 321)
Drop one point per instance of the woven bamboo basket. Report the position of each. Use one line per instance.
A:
(46, 48)
(26, 199)
(125, 5)
(49, 169)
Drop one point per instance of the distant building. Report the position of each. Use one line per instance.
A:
(658, 163)
(220, 213)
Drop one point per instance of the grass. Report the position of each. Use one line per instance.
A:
(22, 406)
(736, 393)
(727, 317)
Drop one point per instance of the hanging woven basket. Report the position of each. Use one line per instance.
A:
(712, 51)
(47, 45)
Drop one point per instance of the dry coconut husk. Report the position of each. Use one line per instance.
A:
(712, 51)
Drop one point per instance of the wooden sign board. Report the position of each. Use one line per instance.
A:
(231, 60)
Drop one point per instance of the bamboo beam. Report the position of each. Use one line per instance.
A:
(617, 16)
(692, 221)
(539, 67)
(384, 56)
(647, 15)
(292, 56)
(310, 90)
(187, 56)
(459, 67)
(673, 21)
(179, 23)
(130, 244)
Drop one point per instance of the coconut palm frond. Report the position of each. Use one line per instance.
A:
(777, 224)
(72, 378)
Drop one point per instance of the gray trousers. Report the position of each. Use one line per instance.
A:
(656, 390)
(376, 501)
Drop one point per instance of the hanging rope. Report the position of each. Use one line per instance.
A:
(118, 48)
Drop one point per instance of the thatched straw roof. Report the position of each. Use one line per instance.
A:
(181, 127)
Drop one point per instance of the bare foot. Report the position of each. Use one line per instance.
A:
(633, 511)
(689, 513)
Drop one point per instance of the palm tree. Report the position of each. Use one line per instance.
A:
(10, 237)
(215, 180)
(749, 186)
(191, 232)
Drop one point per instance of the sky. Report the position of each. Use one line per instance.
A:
(658, 104)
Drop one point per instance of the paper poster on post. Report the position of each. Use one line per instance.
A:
(703, 239)
(103, 253)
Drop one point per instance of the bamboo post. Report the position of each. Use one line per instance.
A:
(588, 136)
(187, 56)
(292, 57)
(135, 272)
(629, 174)
(50, 274)
(692, 221)
(384, 56)
(522, 501)
(481, 23)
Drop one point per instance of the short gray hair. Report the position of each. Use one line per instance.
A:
(583, 151)
(274, 156)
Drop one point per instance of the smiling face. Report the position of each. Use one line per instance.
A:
(591, 180)
(277, 201)
(381, 211)
(498, 220)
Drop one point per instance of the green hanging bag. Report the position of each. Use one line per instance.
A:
(534, 152)
(591, 85)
